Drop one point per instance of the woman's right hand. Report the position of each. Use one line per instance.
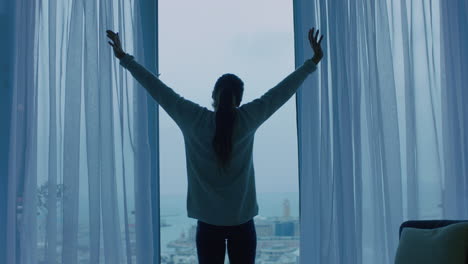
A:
(315, 44)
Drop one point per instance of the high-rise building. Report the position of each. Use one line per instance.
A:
(285, 228)
(286, 209)
(264, 229)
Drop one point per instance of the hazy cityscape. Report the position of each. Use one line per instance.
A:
(277, 232)
(277, 241)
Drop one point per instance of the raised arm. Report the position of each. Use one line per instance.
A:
(181, 110)
(259, 110)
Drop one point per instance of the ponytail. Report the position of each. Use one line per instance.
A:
(228, 86)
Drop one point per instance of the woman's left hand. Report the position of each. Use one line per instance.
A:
(118, 51)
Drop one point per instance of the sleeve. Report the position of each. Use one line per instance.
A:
(184, 112)
(259, 110)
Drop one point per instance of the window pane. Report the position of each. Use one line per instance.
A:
(198, 42)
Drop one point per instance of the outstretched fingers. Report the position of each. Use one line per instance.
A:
(110, 33)
(314, 37)
(311, 35)
(115, 40)
(113, 36)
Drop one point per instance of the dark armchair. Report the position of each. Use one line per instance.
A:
(429, 224)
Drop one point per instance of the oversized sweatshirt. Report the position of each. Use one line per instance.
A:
(219, 195)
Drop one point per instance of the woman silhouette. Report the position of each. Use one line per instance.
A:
(218, 145)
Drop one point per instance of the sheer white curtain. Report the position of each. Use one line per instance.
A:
(382, 125)
(82, 183)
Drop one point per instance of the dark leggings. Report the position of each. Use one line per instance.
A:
(241, 243)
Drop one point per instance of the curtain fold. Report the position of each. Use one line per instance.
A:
(147, 53)
(454, 57)
(380, 124)
(146, 167)
(21, 211)
(79, 137)
(305, 15)
(7, 19)
(71, 134)
(92, 113)
(111, 228)
(51, 225)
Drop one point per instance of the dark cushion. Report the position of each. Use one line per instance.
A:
(428, 224)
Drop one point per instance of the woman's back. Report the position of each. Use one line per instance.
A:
(220, 195)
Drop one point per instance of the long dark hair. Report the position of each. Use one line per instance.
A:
(227, 86)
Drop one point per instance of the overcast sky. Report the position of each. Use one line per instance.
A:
(198, 42)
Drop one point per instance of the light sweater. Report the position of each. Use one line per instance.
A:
(219, 195)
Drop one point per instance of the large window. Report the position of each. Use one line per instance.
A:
(198, 42)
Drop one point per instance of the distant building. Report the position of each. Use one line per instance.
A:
(285, 228)
(286, 209)
(264, 228)
(297, 228)
(277, 253)
(192, 233)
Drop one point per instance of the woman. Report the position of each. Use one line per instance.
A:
(218, 145)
